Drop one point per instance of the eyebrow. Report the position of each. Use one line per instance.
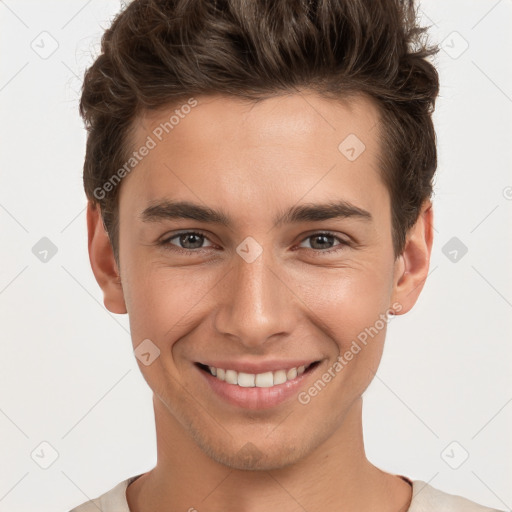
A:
(310, 212)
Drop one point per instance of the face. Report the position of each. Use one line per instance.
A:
(278, 256)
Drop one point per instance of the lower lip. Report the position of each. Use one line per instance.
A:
(256, 398)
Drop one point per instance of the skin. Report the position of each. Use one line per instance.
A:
(296, 300)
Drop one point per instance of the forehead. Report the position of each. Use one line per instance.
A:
(218, 148)
(283, 119)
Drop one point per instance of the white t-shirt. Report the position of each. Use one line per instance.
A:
(425, 498)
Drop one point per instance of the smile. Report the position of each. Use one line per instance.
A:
(259, 380)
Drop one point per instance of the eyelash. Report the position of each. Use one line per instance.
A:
(171, 247)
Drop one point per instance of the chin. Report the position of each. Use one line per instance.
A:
(264, 456)
(251, 458)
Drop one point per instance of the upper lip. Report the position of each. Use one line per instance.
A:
(259, 367)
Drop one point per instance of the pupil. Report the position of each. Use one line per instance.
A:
(320, 237)
(184, 237)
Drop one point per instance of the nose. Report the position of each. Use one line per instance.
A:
(255, 302)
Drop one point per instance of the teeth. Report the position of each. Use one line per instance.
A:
(291, 373)
(264, 380)
(246, 380)
(260, 380)
(231, 377)
(279, 377)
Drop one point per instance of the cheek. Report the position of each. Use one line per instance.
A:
(351, 308)
(345, 302)
(162, 304)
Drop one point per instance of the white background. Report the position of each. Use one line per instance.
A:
(67, 372)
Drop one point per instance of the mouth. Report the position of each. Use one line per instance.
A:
(268, 379)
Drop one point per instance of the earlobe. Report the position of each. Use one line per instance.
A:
(103, 263)
(411, 267)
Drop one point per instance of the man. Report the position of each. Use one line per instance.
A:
(259, 178)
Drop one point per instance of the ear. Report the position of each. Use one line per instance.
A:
(103, 263)
(411, 267)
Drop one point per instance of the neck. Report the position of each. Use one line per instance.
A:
(335, 476)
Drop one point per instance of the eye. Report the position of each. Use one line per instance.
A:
(191, 242)
(320, 240)
(188, 241)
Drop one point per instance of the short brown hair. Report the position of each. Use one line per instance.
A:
(160, 52)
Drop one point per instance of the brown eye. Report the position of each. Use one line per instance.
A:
(187, 241)
(325, 242)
